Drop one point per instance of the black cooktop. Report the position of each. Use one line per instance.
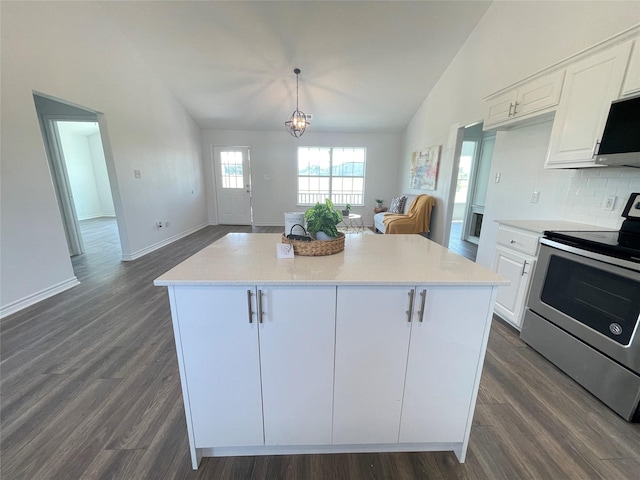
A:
(605, 243)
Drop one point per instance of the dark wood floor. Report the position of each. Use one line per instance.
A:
(461, 247)
(90, 390)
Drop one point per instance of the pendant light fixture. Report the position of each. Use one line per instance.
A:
(297, 124)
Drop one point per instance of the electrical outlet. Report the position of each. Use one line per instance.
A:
(609, 202)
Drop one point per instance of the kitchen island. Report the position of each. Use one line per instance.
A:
(378, 348)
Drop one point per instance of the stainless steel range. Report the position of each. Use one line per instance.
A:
(583, 310)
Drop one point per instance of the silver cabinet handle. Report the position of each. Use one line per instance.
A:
(510, 108)
(524, 266)
(249, 306)
(512, 241)
(423, 294)
(594, 152)
(515, 108)
(260, 306)
(410, 311)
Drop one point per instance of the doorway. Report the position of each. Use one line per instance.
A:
(74, 146)
(232, 179)
(469, 195)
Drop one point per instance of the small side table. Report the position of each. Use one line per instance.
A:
(353, 223)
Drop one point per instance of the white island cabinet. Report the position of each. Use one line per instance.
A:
(375, 349)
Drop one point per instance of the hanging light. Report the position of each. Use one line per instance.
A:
(298, 123)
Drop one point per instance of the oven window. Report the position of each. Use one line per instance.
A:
(604, 301)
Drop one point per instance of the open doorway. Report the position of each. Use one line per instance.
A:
(471, 180)
(74, 146)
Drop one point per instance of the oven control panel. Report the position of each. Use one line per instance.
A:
(632, 209)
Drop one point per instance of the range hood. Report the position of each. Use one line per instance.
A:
(620, 144)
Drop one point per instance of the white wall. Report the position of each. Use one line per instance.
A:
(103, 189)
(87, 173)
(71, 52)
(274, 168)
(512, 41)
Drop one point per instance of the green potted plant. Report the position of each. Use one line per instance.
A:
(379, 202)
(347, 210)
(321, 219)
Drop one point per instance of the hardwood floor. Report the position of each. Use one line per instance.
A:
(461, 247)
(90, 389)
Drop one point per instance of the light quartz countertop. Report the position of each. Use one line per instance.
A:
(250, 258)
(539, 226)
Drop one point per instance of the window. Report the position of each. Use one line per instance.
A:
(335, 173)
(231, 169)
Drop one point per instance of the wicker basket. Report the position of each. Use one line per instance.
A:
(316, 247)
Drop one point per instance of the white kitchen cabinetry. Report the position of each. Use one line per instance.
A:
(250, 351)
(337, 354)
(589, 88)
(515, 256)
(372, 341)
(297, 336)
(405, 365)
(631, 85)
(438, 402)
(221, 364)
(533, 98)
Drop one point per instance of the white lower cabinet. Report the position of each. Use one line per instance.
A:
(372, 341)
(221, 365)
(516, 267)
(439, 399)
(288, 369)
(297, 338)
(514, 258)
(280, 363)
(406, 363)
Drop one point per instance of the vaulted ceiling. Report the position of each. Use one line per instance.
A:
(366, 66)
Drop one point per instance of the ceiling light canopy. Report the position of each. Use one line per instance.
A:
(297, 124)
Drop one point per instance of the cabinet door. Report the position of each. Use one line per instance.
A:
(499, 109)
(590, 87)
(297, 336)
(443, 360)
(221, 365)
(538, 94)
(528, 99)
(510, 299)
(372, 340)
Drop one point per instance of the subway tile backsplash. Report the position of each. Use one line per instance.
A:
(588, 191)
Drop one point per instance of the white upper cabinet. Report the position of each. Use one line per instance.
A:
(528, 100)
(590, 87)
(631, 85)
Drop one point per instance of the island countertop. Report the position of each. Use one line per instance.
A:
(250, 258)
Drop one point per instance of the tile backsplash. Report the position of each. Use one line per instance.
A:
(589, 190)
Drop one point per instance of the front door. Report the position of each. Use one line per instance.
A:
(233, 185)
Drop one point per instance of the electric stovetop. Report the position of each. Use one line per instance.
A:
(605, 243)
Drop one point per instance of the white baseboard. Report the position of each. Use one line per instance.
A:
(163, 243)
(98, 215)
(29, 300)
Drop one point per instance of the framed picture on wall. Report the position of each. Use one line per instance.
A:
(424, 168)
